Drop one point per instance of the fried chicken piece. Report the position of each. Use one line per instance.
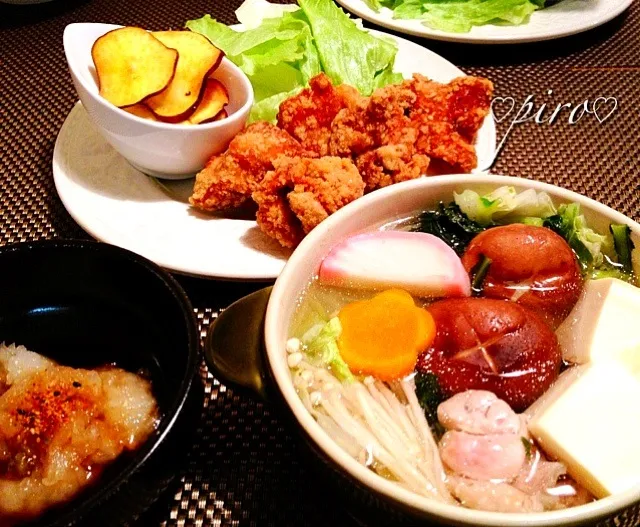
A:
(228, 179)
(59, 426)
(308, 115)
(403, 129)
(442, 143)
(391, 164)
(301, 192)
(222, 184)
(448, 117)
(375, 121)
(379, 135)
(464, 102)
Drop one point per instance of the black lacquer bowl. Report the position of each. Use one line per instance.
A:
(87, 304)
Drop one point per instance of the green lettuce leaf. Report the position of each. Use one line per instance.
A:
(267, 109)
(284, 48)
(235, 43)
(386, 77)
(459, 16)
(373, 4)
(407, 9)
(348, 54)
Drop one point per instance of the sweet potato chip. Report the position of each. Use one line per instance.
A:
(213, 100)
(222, 115)
(141, 110)
(197, 58)
(131, 65)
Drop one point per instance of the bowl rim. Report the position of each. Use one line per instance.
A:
(90, 88)
(274, 344)
(101, 493)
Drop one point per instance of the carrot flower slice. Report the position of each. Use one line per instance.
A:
(384, 335)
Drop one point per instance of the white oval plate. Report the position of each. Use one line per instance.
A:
(119, 205)
(568, 17)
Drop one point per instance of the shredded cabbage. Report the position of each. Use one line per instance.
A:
(572, 225)
(506, 205)
(320, 345)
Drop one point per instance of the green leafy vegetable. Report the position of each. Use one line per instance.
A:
(449, 224)
(623, 267)
(267, 109)
(594, 251)
(282, 49)
(567, 223)
(478, 274)
(599, 255)
(535, 222)
(459, 16)
(320, 345)
(623, 245)
(527, 447)
(610, 269)
(430, 396)
(349, 55)
(505, 205)
(589, 246)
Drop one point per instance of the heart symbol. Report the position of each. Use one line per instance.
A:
(498, 101)
(606, 101)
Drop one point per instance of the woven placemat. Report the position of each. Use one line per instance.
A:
(245, 468)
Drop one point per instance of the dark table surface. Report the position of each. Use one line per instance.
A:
(246, 468)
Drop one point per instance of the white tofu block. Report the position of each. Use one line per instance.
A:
(604, 322)
(560, 385)
(594, 428)
(630, 358)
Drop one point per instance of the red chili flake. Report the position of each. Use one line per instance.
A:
(43, 410)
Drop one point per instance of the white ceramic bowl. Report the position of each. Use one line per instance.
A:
(400, 201)
(164, 150)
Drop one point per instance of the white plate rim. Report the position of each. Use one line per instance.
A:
(502, 34)
(101, 230)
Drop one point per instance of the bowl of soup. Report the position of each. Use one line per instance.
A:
(457, 349)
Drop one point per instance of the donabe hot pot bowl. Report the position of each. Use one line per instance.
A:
(246, 347)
